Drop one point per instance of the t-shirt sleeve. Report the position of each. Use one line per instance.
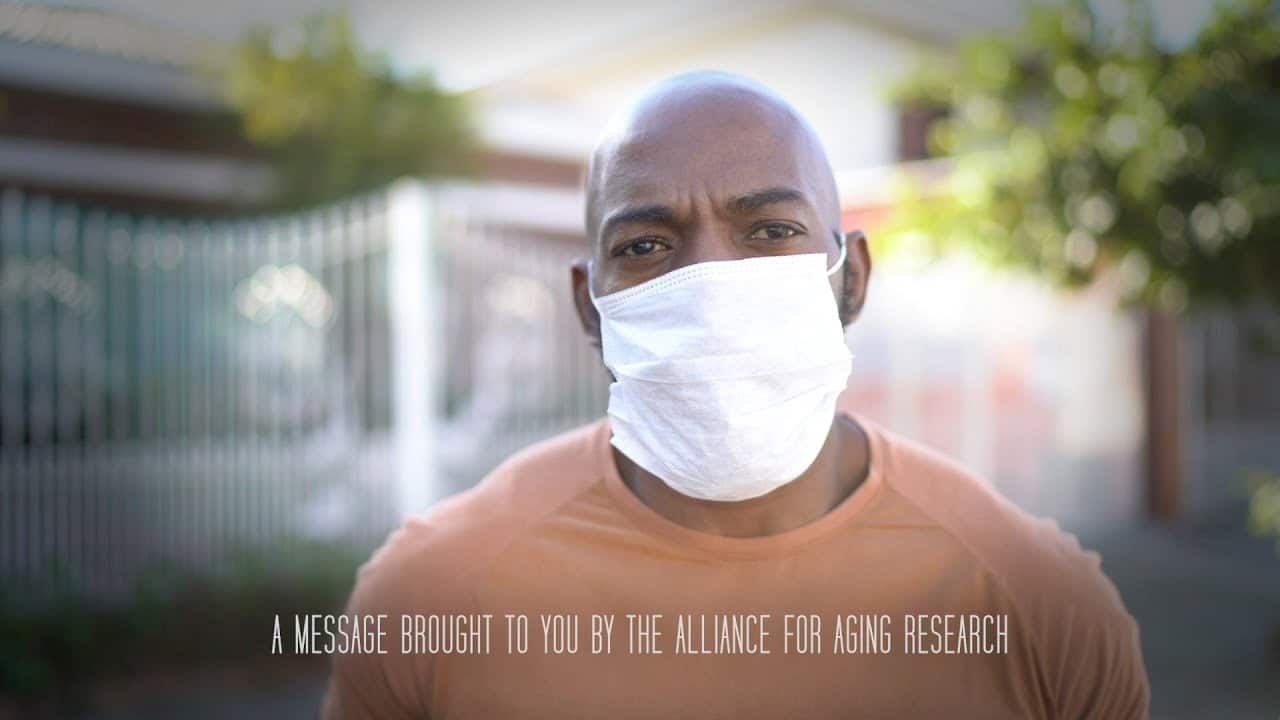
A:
(390, 686)
(1090, 646)
(359, 689)
(433, 565)
(1083, 645)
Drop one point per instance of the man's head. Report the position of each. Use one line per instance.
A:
(709, 166)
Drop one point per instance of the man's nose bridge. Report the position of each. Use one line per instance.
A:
(708, 242)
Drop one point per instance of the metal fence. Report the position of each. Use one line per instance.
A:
(518, 367)
(174, 389)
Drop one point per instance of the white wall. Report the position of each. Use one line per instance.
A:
(833, 65)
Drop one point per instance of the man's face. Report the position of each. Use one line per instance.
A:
(715, 176)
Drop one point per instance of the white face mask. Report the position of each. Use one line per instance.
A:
(727, 372)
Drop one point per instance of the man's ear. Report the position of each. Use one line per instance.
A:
(857, 273)
(587, 313)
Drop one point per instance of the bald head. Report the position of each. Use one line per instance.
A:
(702, 129)
(709, 166)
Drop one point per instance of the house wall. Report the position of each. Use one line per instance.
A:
(133, 133)
(833, 65)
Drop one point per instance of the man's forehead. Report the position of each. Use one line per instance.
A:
(724, 160)
(703, 122)
(722, 166)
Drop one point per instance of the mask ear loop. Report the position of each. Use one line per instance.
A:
(843, 252)
(590, 272)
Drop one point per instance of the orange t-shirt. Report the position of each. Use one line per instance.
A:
(923, 594)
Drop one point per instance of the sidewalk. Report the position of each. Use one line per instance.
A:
(1207, 600)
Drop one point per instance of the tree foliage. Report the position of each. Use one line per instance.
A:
(337, 121)
(1079, 147)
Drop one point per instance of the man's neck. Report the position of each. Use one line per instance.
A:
(839, 469)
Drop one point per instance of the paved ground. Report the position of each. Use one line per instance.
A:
(1207, 598)
(296, 698)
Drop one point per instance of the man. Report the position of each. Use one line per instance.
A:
(761, 553)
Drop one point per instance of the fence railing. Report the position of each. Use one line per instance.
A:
(174, 389)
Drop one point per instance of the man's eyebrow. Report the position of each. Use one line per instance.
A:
(638, 214)
(757, 199)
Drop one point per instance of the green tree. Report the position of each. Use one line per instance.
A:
(337, 121)
(1079, 148)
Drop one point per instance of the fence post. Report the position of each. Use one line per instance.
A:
(415, 344)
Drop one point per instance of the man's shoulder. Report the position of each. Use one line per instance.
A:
(1085, 642)
(1032, 559)
(460, 536)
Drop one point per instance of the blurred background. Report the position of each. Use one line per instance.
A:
(273, 275)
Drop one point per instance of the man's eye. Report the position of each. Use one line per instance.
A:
(774, 231)
(641, 247)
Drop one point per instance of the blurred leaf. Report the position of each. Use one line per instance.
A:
(337, 121)
(1264, 504)
(1077, 149)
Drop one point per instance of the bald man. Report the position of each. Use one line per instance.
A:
(727, 542)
